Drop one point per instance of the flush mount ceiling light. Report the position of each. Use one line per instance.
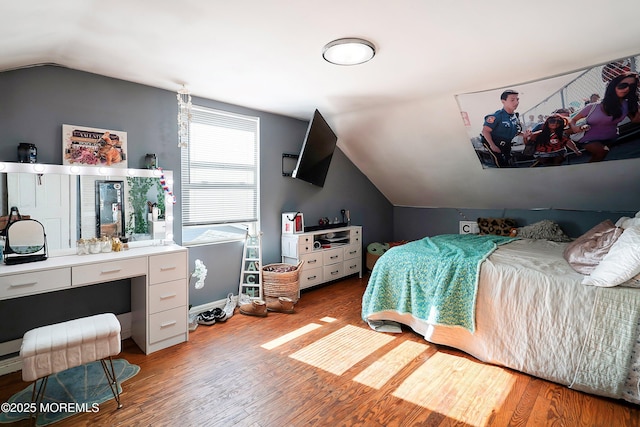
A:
(348, 51)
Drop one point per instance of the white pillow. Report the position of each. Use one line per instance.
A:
(620, 264)
(621, 221)
(626, 222)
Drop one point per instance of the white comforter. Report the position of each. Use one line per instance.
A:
(526, 319)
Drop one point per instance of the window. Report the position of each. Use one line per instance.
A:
(220, 176)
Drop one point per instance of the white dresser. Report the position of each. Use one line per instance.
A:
(159, 286)
(327, 255)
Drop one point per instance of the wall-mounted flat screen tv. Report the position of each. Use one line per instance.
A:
(317, 151)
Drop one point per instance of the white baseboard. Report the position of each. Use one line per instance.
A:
(13, 363)
(194, 311)
(211, 305)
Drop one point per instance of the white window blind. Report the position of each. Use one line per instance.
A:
(220, 176)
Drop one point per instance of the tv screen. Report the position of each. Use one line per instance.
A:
(317, 151)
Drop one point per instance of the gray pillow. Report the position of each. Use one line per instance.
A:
(585, 253)
(543, 230)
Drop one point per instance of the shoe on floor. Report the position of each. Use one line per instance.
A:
(206, 318)
(281, 305)
(219, 314)
(254, 308)
(229, 307)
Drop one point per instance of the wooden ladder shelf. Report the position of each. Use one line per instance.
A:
(251, 273)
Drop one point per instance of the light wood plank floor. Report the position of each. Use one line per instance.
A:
(323, 366)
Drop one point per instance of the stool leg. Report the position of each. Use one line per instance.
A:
(111, 379)
(36, 397)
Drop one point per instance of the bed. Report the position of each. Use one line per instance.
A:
(518, 302)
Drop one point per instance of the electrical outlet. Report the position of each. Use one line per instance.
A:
(469, 227)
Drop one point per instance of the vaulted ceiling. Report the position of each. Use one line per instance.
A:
(396, 116)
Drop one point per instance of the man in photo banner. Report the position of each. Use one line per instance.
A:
(501, 127)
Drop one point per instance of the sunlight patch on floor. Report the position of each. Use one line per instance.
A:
(290, 336)
(328, 319)
(462, 389)
(389, 365)
(340, 350)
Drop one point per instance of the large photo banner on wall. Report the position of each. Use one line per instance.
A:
(586, 116)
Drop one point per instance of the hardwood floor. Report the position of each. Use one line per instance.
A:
(324, 366)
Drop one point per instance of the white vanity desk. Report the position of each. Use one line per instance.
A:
(159, 287)
(158, 273)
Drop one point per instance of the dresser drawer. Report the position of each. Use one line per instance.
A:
(311, 260)
(310, 277)
(352, 251)
(165, 296)
(16, 285)
(332, 256)
(167, 267)
(167, 324)
(108, 271)
(305, 244)
(352, 266)
(332, 272)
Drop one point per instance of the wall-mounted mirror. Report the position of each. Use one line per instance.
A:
(110, 208)
(63, 199)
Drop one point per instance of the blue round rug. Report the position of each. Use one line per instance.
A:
(76, 390)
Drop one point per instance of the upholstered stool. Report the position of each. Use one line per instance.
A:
(55, 348)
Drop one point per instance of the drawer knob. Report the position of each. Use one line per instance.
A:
(334, 257)
(312, 261)
(167, 296)
(167, 268)
(114, 270)
(311, 277)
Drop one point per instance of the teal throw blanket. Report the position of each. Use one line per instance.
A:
(435, 279)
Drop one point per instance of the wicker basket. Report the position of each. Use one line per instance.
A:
(277, 284)
(371, 260)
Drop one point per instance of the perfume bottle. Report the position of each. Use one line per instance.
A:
(33, 154)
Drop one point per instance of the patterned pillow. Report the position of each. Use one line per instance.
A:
(498, 226)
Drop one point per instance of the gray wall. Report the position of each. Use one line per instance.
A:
(38, 101)
(415, 223)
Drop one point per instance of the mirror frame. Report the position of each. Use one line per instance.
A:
(107, 174)
(104, 186)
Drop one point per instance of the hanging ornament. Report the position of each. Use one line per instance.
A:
(165, 186)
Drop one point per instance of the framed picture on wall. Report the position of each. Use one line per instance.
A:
(87, 146)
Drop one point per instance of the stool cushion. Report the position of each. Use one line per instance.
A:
(55, 348)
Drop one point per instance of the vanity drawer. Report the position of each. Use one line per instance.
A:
(107, 271)
(167, 267)
(165, 296)
(16, 285)
(167, 324)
